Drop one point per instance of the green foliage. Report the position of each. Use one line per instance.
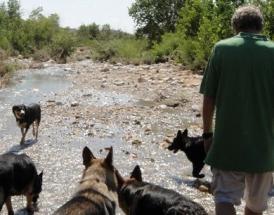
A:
(7, 68)
(201, 24)
(167, 48)
(89, 31)
(268, 11)
(154, 17)
(121, 50)
(62, 46)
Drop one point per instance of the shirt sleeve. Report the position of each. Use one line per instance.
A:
(210, 79)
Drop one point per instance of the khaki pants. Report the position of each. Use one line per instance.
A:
(231, 187)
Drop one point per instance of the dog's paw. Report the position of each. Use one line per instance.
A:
(11, 212)
(30, 210)
(198, 175)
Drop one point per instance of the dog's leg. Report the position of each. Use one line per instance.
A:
(36, 126)
(197, 167)
(24, 135)
(30, 208)
(33, 128)
(9, 206)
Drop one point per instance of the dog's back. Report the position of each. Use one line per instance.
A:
(18, 176)
(33, 112)
(97, 191)
(86, 203)
(15, 172)
(193, 148)
(141, 198)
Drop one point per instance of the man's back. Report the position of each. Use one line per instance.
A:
(240, 77)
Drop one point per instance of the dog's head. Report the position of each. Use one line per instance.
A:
(19, 111)
(180, 141)
(37, 187)
(136, 175)
(126, 186)
(102, 170)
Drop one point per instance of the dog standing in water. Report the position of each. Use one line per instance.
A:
(193, 147)
(25, 117)
(97, 190)
(18, 176)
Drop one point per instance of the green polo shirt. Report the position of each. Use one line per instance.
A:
(240, 76)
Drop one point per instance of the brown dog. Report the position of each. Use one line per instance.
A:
(97, 190)
(142, 198)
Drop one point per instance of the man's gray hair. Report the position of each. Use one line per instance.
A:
(246, 18)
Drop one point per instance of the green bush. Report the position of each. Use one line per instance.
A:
(121, 50)
(167, 48)
(7, 68)
(41, 55)
(62, 46)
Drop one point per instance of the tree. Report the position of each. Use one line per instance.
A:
(14, 9)
(153, 17)
(91, 31)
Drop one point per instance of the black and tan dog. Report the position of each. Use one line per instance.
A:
(18, 176)
(97, 191)
(142, 198)
(193, 147)
(25, 117)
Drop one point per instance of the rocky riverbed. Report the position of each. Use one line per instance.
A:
(136, 109)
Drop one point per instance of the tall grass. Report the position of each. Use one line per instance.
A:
(127, 50)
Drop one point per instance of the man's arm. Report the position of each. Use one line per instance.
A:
(208, 112)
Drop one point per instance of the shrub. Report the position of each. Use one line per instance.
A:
(121, 50)
(62, 46)
(41, 55)
(7, 68)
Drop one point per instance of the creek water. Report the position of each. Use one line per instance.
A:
(59, 154)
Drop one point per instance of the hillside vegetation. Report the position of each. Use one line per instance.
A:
(181, 31)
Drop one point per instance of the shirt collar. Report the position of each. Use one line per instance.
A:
(252, 36)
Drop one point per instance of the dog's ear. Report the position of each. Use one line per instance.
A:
(87, 156)
(185, 132)
(136, 173)
(13, 108)
(40, 178)
(41, 175)
(109, 158)
(120, 179)
(179, 133)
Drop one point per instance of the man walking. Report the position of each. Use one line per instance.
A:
(239, 84)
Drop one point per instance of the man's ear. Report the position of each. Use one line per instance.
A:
(109, 157)
(136, 173)
(87, 156)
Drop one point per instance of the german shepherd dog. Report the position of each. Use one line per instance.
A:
(18, 176)
(142, 198)
(97, 191)
(193, 147)
(25, 117)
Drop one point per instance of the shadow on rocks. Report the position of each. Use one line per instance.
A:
(18, 148)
